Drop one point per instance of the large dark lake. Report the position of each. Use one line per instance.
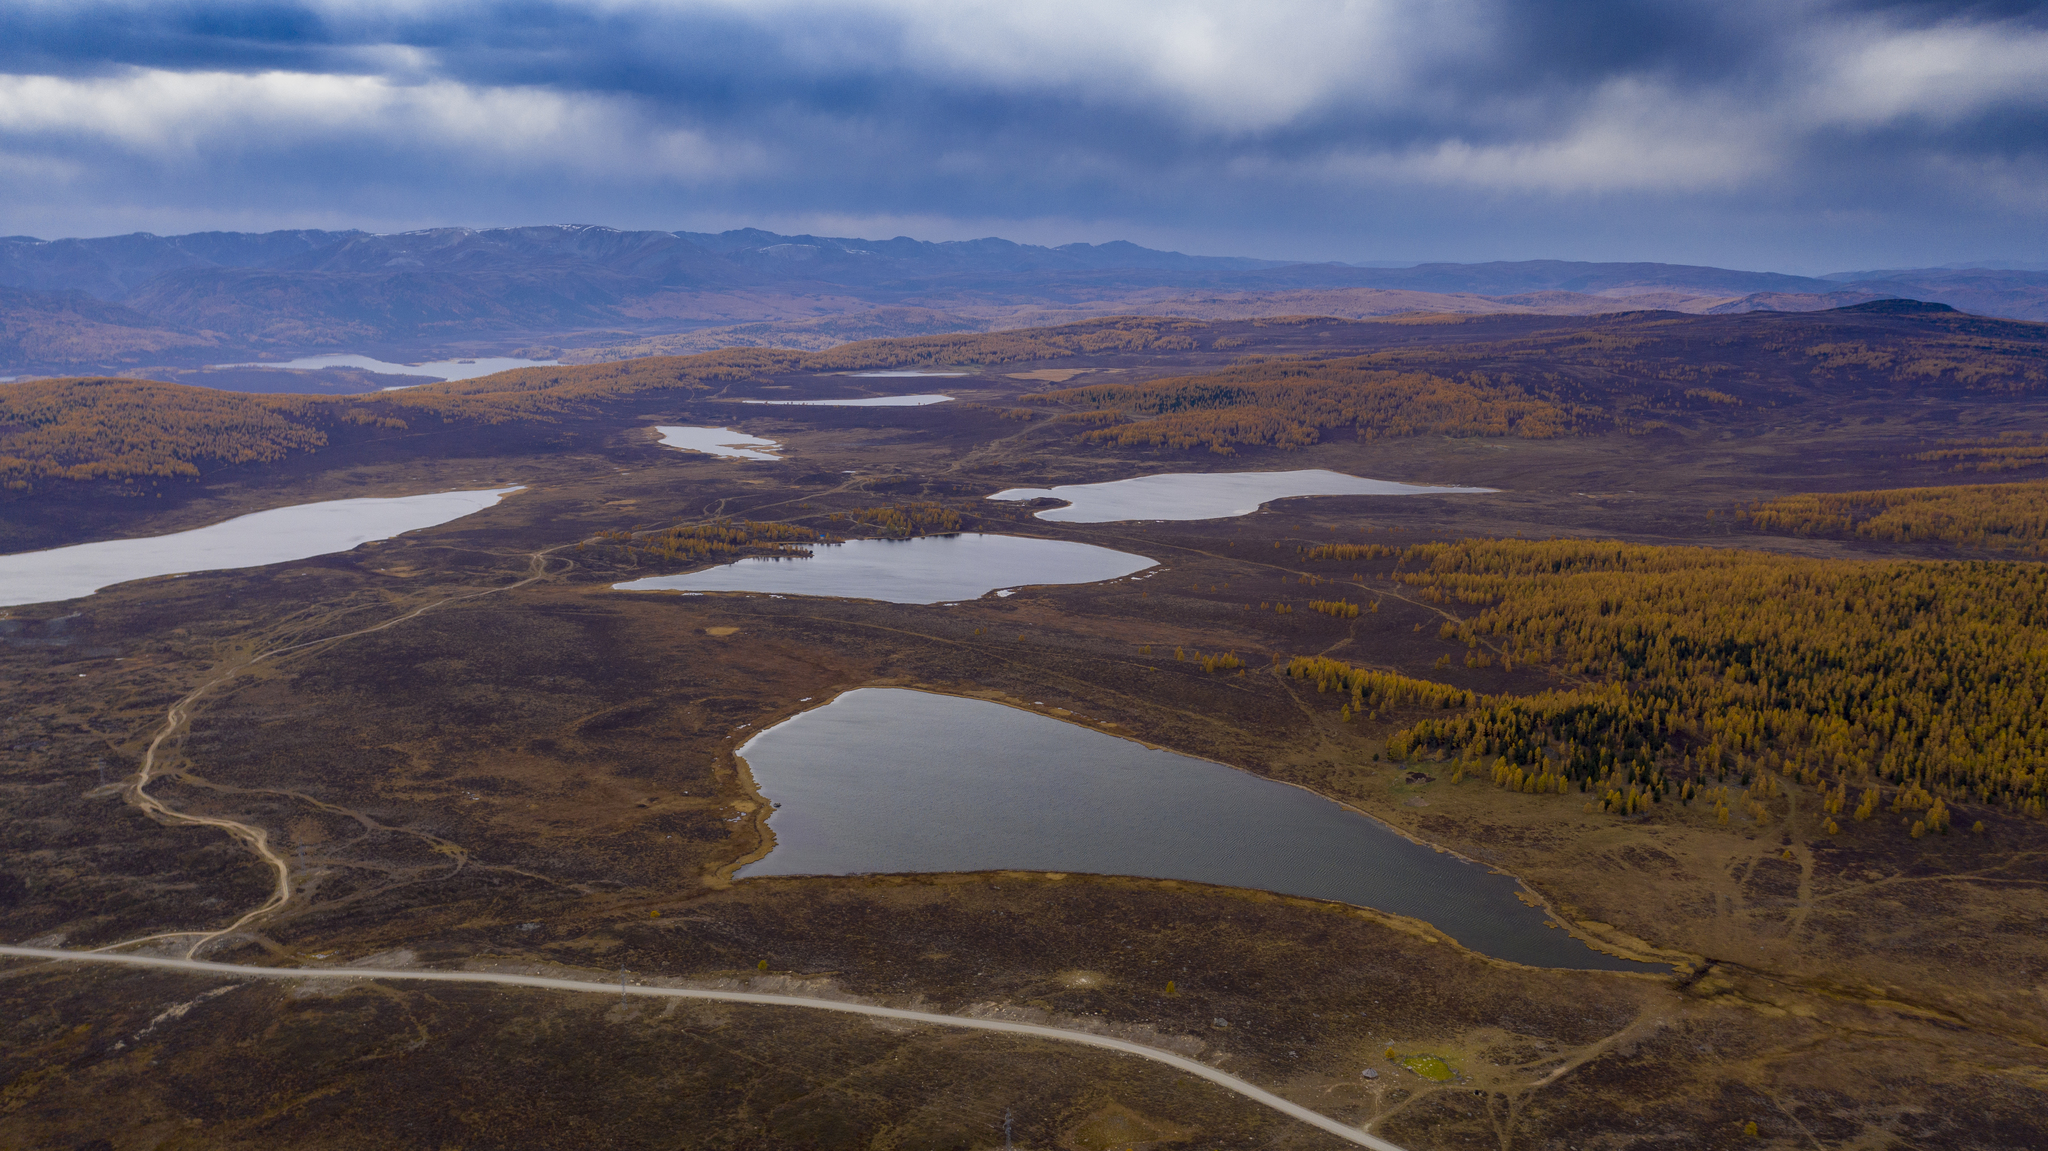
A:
(889, 780)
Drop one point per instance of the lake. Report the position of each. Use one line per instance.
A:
(927, 569)
(865, 402)
(720, 442)
(259, 538)
(1207, 495)
(436, 369)
(887, 780)
(905, 374)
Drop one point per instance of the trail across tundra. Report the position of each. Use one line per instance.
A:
(1177, 1062)
(179, 716)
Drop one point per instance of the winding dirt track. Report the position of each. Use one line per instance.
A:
(1177, 1062)
(179, 717)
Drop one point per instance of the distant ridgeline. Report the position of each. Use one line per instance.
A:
(1894, 685)
(1635, 373)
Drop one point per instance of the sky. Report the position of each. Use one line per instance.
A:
(1782, 135)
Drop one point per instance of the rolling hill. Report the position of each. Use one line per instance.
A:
(602, 292)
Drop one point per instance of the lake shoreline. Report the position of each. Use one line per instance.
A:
(1181, 496)
(949, 568)
(1417, 925)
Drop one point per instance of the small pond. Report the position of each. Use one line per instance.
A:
(889, 780)
(720, 442)
(1206, 495)
(436, 369)
(259, 538)
(928, 569)
(864, 402)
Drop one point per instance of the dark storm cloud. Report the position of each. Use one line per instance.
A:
(90, 37)
(1577, 127)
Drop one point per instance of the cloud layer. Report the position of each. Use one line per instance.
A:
(1791, 134)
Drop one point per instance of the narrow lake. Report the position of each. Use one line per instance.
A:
(864, 402)
(1206, 495)
(889, 780)
(906, 374)
(720, 442)
(928, 569)
(435, 369)
(258, 538)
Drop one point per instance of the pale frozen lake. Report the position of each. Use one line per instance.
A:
(259, 538)
(720, 442)
(865, 402)
(1207, 495)
(436, 369)
(926, 569)
(907, 373)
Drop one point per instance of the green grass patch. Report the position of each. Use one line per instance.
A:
(1429, 1067)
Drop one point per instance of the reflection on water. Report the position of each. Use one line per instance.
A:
(1206, 495)
(866, 402)
(888, 780)
(435, 369)
(259, 538)
(720, 442)
(929, 569)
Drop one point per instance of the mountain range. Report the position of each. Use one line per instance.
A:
(586, 292)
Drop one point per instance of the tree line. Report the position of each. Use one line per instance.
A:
(2009, 517)
(901, 521)
(1290, 403)
(2004, 452)
(1214, 661)
(719, 539)
(116, 429)
(1927, 679)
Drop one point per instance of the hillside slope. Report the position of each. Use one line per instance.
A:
(67, 328)
(466, 291)
(1215, 385)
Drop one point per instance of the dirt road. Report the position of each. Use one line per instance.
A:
(1177, 1062)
